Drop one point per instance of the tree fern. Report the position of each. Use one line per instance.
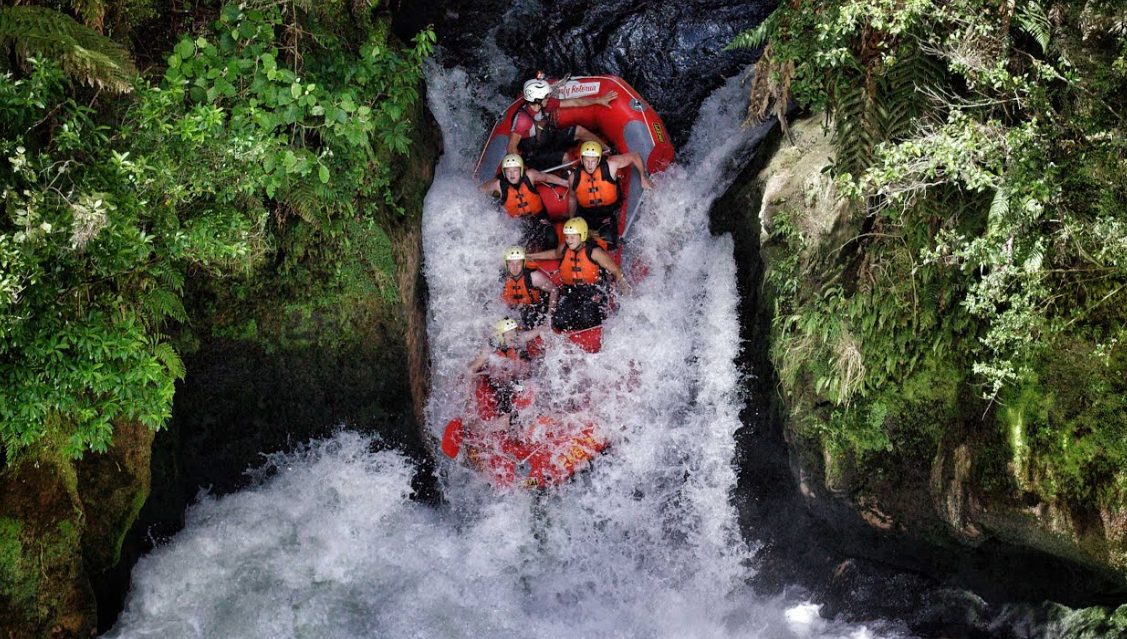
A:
(883, 106)
(83, 53)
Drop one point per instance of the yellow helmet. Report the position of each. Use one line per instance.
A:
(504, 326)
(591, 149)
(576, 226)
(512, 160)
(514, 253)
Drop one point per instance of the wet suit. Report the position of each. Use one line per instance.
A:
(542, 145)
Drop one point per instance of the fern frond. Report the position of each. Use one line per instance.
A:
(309, 200)
(1000, 205)
(1034, 20)
(167, 355)
(161, 302)
(758, 35)
(885, 108)
(82, 52)
(170, 277)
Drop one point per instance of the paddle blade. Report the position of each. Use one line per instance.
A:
(452, 438)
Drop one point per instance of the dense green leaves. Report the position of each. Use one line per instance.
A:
(984, 144)
(250, 143)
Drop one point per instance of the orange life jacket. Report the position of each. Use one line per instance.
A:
(521, 199)
(519, 290)
(577, 267)
(596, 193)
(512, 353)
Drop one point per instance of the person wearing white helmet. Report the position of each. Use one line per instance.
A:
(533, 132)
(516, 186)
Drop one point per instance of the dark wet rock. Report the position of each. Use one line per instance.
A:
(671, 52)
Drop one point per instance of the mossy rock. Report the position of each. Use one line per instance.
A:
(113, 487)
(43, 587)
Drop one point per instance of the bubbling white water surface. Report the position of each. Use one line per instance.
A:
(643, 544)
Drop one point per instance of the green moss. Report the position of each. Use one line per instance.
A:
(131, 514)
(18, 581)
(1067, 426)
(1028, 407)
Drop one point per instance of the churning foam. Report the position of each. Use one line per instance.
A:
(643, 544)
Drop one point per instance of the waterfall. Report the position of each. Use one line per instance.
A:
(643, 544)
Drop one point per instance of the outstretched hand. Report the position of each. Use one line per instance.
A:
(647, 183)
(607, 98)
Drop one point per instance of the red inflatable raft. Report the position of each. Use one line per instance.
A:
(630, 124)
(545, 450)
(542, 453)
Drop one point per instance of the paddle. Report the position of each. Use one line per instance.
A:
(637, 211)
(565, 165)
(452, 438)
(568, 165)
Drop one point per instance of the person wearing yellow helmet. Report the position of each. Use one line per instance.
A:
(584, 266)
(516, 187)
(505, 362)
(595, 194)
(533, 132)
(527, 291)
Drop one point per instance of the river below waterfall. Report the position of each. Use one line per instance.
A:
(328, 543)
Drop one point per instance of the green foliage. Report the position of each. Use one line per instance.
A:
(869, 348)
(254, 143)
(1068, 425)
(88, 56)
(984, 145)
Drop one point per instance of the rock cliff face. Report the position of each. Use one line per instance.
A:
(671, 52)
(62, 524)
(954, 489)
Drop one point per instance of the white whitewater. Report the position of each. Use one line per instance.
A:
(644, 544)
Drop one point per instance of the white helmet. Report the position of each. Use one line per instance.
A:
(536, 89)
(512, 161)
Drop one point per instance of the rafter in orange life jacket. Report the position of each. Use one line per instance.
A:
(520, 199)
(596, 193)
(519, 290)
(578, 267)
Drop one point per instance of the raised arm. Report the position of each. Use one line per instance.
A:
(619, 162)
(479, 362)
(492, 186)
(604, 100)
(539, 176)
(550, 254)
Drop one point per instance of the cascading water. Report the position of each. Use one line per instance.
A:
(643, 544)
